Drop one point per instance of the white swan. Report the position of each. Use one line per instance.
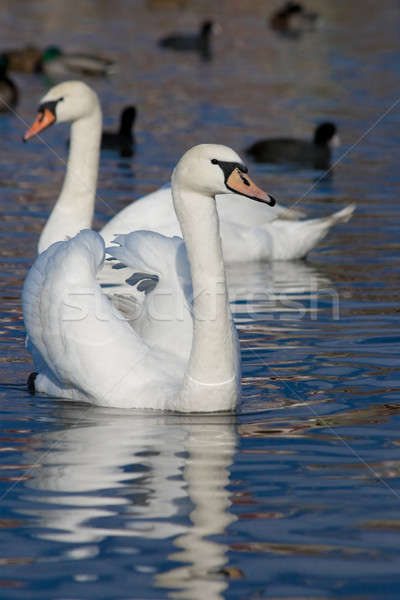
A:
(82, 347)
(248, 232)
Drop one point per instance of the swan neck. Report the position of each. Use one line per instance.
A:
(74, 208)
(83, 161)
(212, 358)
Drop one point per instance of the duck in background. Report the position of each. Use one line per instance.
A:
(199, 42)
(122, 140)
(54, 62)
(8, 89)
(24, 60)
(57, 63)
(292, 20)
(315, 153)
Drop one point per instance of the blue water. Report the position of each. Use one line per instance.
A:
(298, 495)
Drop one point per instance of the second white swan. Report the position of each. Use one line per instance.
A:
(248, 232)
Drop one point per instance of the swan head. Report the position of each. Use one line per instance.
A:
(211, 169)
(67, 101)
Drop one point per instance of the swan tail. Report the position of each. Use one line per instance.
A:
(290, 214)
(341, 216)
(295, 239)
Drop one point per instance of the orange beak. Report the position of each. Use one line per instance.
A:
(240, 183)
(43, 120)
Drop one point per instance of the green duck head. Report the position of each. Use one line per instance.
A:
(50, 53)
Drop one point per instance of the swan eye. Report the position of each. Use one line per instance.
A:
(228, 168)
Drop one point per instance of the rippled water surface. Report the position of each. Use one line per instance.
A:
(298, 495)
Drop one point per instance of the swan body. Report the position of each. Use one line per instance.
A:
(250, 231)
(85, 350)
(247, 233)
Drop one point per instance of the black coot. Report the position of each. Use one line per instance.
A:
(122, 140)
(199, 42)
(315, 153)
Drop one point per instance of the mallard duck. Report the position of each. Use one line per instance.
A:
(315, 153)
(57, 63)
(8, 89)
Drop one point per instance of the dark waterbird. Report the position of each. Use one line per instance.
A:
(191, 42)
(122, 140)
(8, 89)
(315, 153)
(292, 20)
(24, 60)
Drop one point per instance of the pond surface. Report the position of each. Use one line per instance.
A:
(298, 495)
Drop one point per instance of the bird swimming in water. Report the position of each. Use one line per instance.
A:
(315, 153)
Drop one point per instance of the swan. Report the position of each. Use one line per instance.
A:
(83, 348)
(248, 232)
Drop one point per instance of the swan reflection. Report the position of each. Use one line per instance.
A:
(294, 288)
(110, 473)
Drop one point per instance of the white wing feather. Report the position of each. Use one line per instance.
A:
(82, 339)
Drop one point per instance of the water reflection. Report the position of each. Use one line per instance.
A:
(292, 288)
(106, 473)
(210, 451)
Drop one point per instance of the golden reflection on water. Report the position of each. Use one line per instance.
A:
(371, 415)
